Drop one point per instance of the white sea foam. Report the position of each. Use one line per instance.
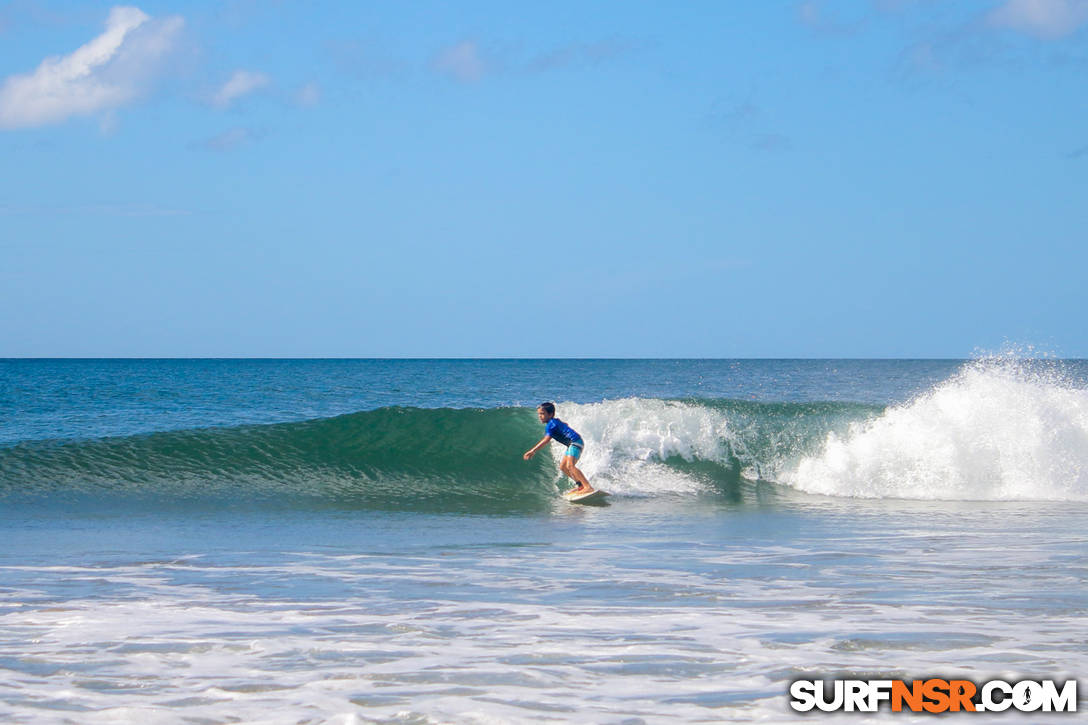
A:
(628, 440)
(684, 625)
(1001, 429)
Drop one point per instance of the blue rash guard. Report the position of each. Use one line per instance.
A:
(560, 432)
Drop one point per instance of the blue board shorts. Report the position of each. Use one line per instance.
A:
(574, 450)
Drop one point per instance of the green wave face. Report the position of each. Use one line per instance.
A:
(427, 459)
(389, 458)
(434, 459)
(988, 433)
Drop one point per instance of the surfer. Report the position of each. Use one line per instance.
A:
(557, 430)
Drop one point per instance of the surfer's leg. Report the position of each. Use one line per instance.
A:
(571, 470)
(566, 467)
(583, 482)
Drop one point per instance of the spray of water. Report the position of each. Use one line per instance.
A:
(1001, 429)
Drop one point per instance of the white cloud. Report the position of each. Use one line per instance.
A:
(462, 62)
(1041, 18)
(229, 140)
(107, 124)
(809, 13)
(106, 73)
(308, 95)
(241, 83)
(581, 55)
(844, 19)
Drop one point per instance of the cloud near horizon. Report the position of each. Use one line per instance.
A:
(465, 62)
(229, 140)
(104, 74)
(308, 95)
(461, 62)
(582, 54)
(241, 83)
(1045, 19)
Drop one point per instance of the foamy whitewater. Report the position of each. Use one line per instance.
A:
(360, 541)
(997, 430)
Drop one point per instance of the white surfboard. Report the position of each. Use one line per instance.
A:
(593, 496)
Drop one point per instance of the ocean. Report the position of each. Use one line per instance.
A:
(360, 541)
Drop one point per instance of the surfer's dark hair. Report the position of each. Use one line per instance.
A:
(548, 408)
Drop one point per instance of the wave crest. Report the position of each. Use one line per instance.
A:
(997, 430)
(1001, 429)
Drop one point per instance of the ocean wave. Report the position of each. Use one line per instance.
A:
(1000, 429)
(433, 458)
(997, 430)
(391, 457)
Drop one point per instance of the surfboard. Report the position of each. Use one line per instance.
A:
(593, 496)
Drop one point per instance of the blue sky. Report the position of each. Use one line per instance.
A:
(879, 178)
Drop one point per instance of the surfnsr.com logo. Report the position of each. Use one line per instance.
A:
(933, 695)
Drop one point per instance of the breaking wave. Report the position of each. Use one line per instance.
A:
(997, 430)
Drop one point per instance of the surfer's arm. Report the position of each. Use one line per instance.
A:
(532, 451)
